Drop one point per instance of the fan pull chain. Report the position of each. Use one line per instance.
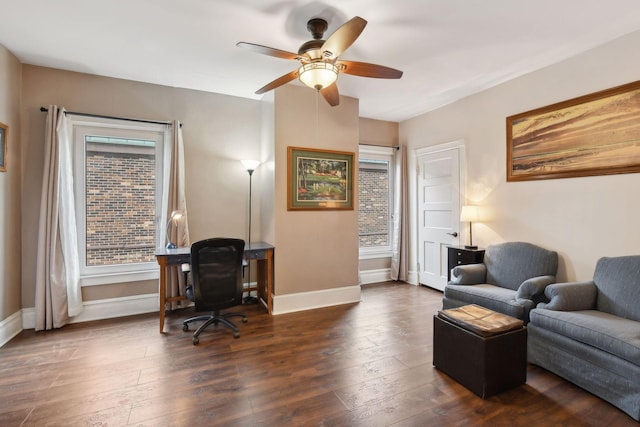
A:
(317, 114)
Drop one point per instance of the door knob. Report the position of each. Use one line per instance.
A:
(454, 234)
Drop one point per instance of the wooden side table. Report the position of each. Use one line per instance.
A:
(459, 255)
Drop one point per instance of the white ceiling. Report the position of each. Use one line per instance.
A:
(448, 49)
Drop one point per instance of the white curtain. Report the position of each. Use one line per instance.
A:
(58, 293)
(175, 199)
(400, 237)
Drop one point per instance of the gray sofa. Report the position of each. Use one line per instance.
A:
(589, 333)
(511, 280)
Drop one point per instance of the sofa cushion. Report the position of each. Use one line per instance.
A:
(492, 297)
(615, 335)
(511, 263)
(618, 282)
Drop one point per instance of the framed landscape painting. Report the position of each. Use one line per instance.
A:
(4, 133)
(596, 134)
(319, 179)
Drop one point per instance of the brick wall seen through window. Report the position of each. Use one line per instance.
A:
(120, 203)
(373, 212)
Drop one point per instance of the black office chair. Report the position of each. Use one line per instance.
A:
(216, 275)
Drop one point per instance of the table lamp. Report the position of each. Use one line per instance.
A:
(469, 213)
(173, 219)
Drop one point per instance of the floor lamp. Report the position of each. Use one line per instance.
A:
(250, 166)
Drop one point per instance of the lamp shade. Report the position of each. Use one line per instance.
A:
(318, 75)
(176, 215)
(250, 165)
(173, 219)
(469, 213)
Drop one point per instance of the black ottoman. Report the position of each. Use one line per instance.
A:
(483, 350)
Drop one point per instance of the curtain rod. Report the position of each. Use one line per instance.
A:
(397, 147)
(44, 110)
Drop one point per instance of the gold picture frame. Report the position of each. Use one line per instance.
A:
(319, 179)
(4, 138)
(595, 134)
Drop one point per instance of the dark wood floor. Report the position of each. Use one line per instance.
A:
(366, 364)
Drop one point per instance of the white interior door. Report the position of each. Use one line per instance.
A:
(439, 195)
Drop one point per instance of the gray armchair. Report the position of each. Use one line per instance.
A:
(511, 280)
(589, 332)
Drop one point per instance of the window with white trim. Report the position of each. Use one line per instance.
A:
(118, 174)
(375, 187)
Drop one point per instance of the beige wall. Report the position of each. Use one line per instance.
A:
(375, 264)
(264, 176)
(10, 75)
(379, 132)
(581, 218)
(218, 132)
(316, 250)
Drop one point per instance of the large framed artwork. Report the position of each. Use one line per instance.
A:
(596, 134)
(319, 179)
(4, 134)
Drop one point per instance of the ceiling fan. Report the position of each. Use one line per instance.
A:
(320, 65)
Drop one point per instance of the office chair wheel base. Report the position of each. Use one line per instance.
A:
(236, 334)
(250, 300)
(244, 319)
(185, 327)
(195, 340)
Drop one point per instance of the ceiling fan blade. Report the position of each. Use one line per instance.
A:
(278, 82)
(343, 37)
(265, 50)
(364, 69)
(331, 94)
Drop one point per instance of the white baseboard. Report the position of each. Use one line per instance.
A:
(10, 327)
(384, 275)
(413, 277)
(315, 299)
(148, 303)
(104, 309)
(375, 276)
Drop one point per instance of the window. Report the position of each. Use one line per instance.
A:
(118, 193)
(375, 186)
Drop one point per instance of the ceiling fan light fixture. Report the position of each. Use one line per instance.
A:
(318, 58)
(318, 75)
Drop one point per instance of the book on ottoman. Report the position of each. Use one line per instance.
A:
(480, 320)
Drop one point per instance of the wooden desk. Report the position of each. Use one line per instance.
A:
(262, 252)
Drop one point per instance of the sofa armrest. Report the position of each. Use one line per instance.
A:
(533, 288)
(571, 296)
(468, 274)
